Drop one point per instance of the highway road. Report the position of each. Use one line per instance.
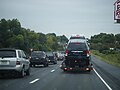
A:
(103, 77)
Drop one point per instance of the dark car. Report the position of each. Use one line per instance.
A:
(38, 58)
(51, 57)
(77, 57)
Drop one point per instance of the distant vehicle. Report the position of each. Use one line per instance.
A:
(61, 55)
(51, 57)
(56, 54)
(77, 57)
(38, 58)
(14, 61)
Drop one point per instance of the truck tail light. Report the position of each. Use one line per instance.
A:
(88, 53)
(75, 60)
(66, 53)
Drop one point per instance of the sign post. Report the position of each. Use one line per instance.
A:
(117, 11)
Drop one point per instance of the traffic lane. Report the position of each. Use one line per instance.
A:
(11, 83)
(59, 80)
(109, 73)
(53, 78)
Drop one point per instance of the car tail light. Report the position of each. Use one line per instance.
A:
(87, 69)
(75, 60)
(17, 62)
(88, 53)
(65, 68)
(66, 53)
(70, 68)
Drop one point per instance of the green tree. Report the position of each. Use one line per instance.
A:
(14, 26)
(17, 41)
(51, 42)
(14, 36)
(4, 33)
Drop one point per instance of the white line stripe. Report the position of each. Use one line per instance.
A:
(52, 70)
(102, 80)
(34, 81)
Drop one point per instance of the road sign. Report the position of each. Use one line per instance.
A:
(117, 11)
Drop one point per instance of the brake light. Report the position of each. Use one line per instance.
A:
(17, 62)
(88, 53)
(75, 60)
(65, 68)
(66, 53)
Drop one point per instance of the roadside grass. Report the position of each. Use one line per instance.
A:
(113, 59)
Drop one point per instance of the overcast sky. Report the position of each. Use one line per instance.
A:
(62, 17)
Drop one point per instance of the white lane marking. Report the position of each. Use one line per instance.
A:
(34, 81)
(102, 80)
(52, 70)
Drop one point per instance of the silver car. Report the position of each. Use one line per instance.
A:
(14, 61)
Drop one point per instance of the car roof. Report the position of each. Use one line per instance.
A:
(8, 49)
(49, 53)
(38, 52)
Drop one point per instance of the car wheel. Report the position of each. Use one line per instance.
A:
(46, 65)
(55, 63)
(34, 65)
(28, 72)
(88, 70)
(64, 70)
(30, 65)
(22, 73)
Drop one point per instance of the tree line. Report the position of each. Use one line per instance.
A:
(105, 42)
(12, 35)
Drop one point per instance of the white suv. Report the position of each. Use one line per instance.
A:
(14, 61)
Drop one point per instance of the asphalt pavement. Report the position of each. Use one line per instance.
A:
(103, 77)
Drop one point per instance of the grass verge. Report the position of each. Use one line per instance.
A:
(113, 59)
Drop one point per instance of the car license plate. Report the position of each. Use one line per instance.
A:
(4, 62)
(37, 58)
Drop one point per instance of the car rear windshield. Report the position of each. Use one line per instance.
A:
(37, 54)
(77, 37)
(49, 54)
(77, 46)
(7, 53)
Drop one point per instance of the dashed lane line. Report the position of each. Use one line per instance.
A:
(52, 70)
(35, 80)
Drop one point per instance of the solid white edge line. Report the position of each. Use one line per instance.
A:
(34, 81)
(102, 80)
